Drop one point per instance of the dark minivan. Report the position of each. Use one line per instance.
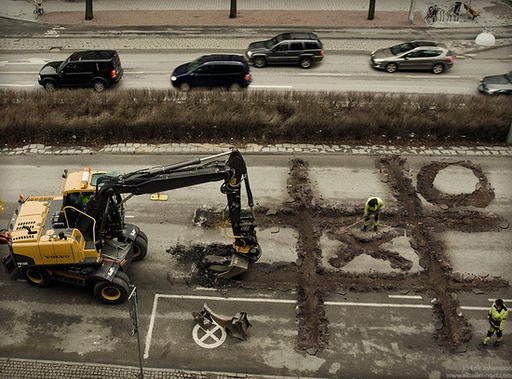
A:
(229, 71)
(98, 69)
(288, 49)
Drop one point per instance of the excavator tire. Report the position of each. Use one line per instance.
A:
(113, 292)
(36, 277)
(123, 275)
(143, 235)
(140, 247)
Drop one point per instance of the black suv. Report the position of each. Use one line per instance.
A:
(229, 71)
(98, 69)
(286, 48)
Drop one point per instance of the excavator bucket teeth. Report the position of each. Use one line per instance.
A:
(237, 266)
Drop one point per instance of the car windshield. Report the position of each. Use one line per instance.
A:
(195, 64)
(509, 77)
(402, 48)
(61, 66)
(277, 39)
(268, 44)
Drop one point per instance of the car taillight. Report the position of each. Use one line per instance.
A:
(113, 74)
(322, 52)
(247, 77)
(451, 59)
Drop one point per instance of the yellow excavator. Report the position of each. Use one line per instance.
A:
(81, 237)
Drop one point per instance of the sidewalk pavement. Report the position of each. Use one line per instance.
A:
(336, 13)
(12, 368)
(280, 148)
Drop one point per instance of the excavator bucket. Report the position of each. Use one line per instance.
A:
(237, 265)
(239, 326)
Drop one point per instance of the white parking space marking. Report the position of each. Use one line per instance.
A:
(405, 297)
(505, 300)
(278, 301)
(377, 305)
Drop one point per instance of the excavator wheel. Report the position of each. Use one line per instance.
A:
(38, 278)
(143, 235)
(140, 247)
(123, 275)
(113, 292)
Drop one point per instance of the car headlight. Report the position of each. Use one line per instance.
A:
(39, 77)
(249, 53)
(173, 78)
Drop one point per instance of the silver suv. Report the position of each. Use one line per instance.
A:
(413, 55)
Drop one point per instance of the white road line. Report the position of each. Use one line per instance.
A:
(325, 74)
(148, 72)
(19, 72)
(506, 300)
(430, 77)
(129, 216)
(16, 85)
(265, 86)
(151, 325)
(405, 297)
(469, 308)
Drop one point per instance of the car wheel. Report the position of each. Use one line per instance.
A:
(113, 292)
(38, 278)
(49, 85)
(98, 86)
(391, 67)
(306, 63)
(438, 68)
(260, 62)
(185, 87)
(235, 87)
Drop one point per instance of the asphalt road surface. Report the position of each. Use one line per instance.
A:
(338, 72)
(371, 334)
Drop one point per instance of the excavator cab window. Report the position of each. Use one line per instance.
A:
(95, 177)
(78, 200)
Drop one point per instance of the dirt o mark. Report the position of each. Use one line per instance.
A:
(480, 197)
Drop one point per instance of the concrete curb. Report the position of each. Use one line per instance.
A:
(282, 148)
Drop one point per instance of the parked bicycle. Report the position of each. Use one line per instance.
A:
(38, 10)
